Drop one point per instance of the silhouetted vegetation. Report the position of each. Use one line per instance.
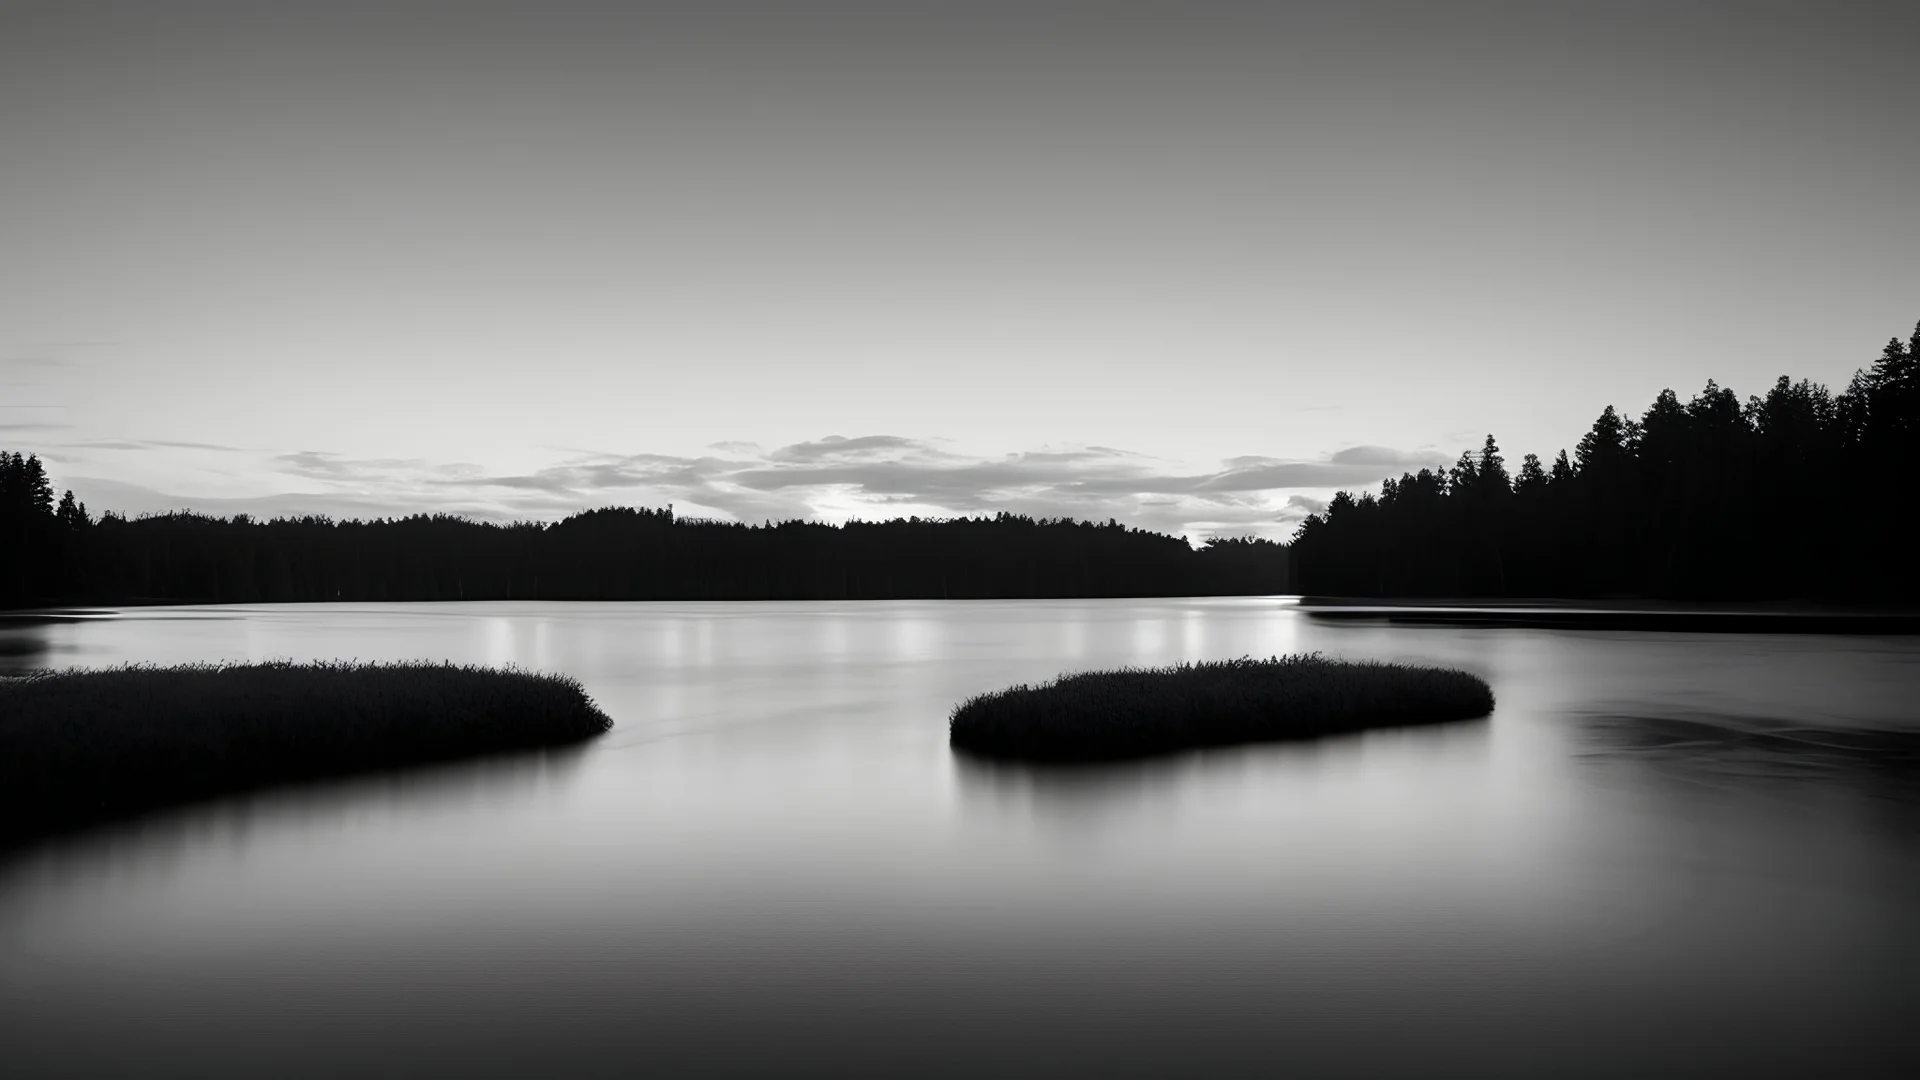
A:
(1662, 616)
(1136, 711)
(39, 540)
(1801, 494)
(80, 745)
(607, 554)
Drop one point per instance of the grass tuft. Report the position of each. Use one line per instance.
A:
(1132, 712)
(81, 745)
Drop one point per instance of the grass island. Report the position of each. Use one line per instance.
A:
(1133, 712)
(78, 746)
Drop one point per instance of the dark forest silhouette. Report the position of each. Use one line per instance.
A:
(1801, 494)
(56, 553)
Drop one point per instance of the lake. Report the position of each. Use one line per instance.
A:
(1664, 853)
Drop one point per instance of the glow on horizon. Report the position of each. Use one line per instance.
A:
(488, 261)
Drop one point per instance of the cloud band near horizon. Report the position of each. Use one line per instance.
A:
(832, 479)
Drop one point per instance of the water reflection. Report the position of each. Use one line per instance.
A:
(1741, 750)
(777, 812)
(31, 639)
(23, 646)
(1084, 796)
(295, 813)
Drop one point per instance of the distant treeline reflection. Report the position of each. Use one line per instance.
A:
(606, 554)
(1800, 494)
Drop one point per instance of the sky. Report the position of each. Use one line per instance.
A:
(1192, 265)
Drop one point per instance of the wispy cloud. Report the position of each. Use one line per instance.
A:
(195, 446)
(836, 478)
(864, 448)
(108, 444)
(134, 499)
(151, 444)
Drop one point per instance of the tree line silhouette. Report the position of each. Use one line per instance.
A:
(59, 554)
(1801, 494)
(39, 539)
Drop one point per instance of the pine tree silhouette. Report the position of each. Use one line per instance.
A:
(1694, 500)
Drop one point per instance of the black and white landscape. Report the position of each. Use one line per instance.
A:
(990, 539)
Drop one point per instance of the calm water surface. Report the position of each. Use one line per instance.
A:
(1664, 854)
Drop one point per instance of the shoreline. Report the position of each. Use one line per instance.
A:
(1636, 615)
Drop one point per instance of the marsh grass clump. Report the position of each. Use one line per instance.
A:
(1137, 711)
(80, 745)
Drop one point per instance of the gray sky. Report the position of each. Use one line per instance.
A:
(1192, 265)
